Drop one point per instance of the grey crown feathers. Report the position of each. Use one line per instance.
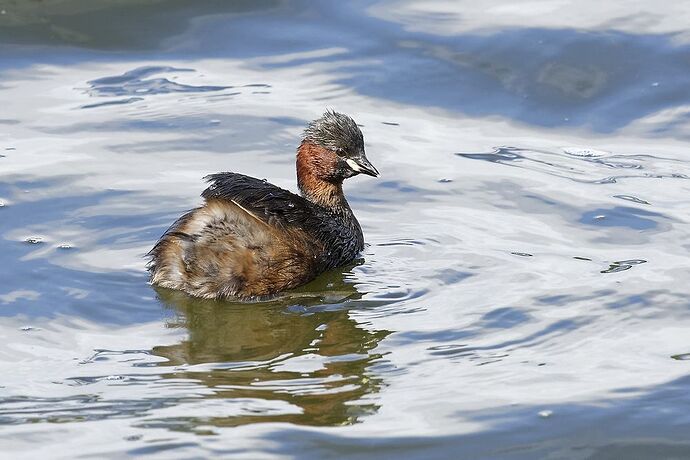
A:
(337, 132)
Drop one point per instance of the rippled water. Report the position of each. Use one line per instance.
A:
(524, 292)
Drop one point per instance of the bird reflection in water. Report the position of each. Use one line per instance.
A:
(299, 358)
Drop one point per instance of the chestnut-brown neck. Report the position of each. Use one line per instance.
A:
(316, 176)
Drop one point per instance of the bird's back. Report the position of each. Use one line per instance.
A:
(250, 239)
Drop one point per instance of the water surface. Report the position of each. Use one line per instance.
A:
(524, 289)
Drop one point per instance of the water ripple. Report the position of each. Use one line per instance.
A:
(583, 168)
(623, 265)
(137, 82)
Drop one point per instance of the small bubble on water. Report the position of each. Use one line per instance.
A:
(2, 204)
(445, 180)
(114, 377)
(584, 152)
(599, 217)
(65, 246)
(214, 122)
(522, 254)
(655, 84)
(134, 437)
(34, 240)
(28, 329)
(545, 413)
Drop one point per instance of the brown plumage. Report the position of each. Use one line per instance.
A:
(252, 239)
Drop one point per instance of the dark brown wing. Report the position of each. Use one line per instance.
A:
(279, 208)
(269, 203)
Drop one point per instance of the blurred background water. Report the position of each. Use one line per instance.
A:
(524, 292)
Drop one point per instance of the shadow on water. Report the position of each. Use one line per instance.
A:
(40, 234)
(300, 358)
(538, 76)
(541, 76)
(633, 426)
(109, 24)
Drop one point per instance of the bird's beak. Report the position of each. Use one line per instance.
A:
(362, 165)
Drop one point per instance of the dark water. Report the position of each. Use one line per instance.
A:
(525, 289)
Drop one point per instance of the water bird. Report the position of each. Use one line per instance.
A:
(251, 239)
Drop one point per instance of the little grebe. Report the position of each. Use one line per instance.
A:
(252, 239)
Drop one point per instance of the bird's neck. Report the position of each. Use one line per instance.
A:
(315, 167)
